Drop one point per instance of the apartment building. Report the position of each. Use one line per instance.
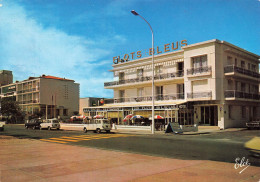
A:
(52, 96)
(6, 77)
(212, 83)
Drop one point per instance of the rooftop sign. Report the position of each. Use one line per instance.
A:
(159, 50)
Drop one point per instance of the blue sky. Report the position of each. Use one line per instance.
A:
(77, 39)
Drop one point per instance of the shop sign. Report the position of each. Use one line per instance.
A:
(158, 50)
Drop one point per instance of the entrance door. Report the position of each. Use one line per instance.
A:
(209, 115)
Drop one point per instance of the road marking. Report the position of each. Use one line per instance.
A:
(64, 139)
(46, 140)
(78, 138)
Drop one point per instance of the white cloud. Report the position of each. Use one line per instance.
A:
(29, 49)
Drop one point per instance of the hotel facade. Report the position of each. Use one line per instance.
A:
(52, 96)
(212, 83)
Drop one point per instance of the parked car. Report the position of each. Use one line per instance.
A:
(33, 123)
(253, 124)
(50, 124)
(2, 125)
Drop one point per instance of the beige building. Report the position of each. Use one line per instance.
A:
(53, 96)
(89, 102)
(212, 83)
(6, 77)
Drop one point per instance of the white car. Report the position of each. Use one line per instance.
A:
(50, 124)
(2, 125)
(97, 125)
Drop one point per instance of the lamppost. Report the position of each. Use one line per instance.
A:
(136, 14)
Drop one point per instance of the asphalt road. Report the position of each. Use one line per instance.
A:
(224, 146)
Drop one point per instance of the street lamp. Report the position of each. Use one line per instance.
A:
(136, 14)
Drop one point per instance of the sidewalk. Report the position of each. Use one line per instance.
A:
(199, 132)
(23, 160)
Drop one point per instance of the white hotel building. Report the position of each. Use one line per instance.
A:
(212, 83)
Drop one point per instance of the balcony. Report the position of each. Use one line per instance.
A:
(28, 102)
(235, 69)
(241, 95)
(199, 71)
(196, 95)
(177, 74)
(171, 97)
(28, 90)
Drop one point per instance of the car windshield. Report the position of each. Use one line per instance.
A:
(55, 121)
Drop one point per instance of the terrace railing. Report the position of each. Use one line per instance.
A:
(194, 95)
(145, 78)
(199, 70)
(242, 95)
(177, 96)
(233, 68)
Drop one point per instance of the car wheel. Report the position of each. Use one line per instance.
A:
(108, 131)
(58, 128)
(49, 128)
(98, 130)
(85, 130)
(40, 127)
(26, 127)
(34, 127)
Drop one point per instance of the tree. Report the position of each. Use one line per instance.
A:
(10, 108)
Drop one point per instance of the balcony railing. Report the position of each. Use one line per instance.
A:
(177, 96)
(145, 78)
(194, 95)
(27, 90)
(28, 102)
(242, 95)
(199, 70)
(233, 68)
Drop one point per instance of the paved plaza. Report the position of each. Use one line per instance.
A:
(36, 160)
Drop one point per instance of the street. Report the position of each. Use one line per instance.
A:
(221, 146)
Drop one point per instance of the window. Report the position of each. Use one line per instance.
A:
(248, 66)
(140, 73)
(242, 64)
(229, 60)
(253, 67)
(235, 61)
(121, 76)
(140, 92)
(200, 61)
(200, 86)
(243, 111)
(121, 93)
(256, 89)
(158, 70)
(65, 112)
(159, 92)
(180, 91)
(243, 87)
(66, 92)
(237, 86)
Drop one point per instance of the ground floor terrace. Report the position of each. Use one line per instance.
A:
(204, 113)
